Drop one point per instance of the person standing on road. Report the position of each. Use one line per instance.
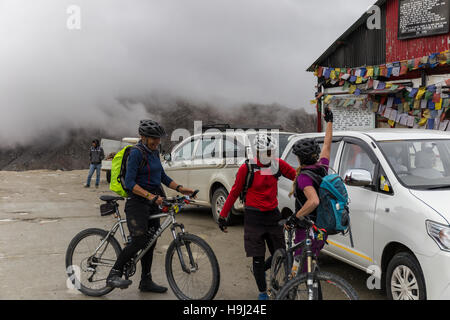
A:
(96, 156)
(261, 207)
(306, 192)
(143, 178)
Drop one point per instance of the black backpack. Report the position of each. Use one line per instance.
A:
(251, 168)
(123, 166)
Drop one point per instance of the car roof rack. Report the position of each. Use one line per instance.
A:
(226, 126)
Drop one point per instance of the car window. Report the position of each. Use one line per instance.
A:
(184, 152)
(419, 163)
(293, 160)
(209, 148)
(355, 157)
(232, 148)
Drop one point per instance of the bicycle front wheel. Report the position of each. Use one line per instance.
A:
(279, 272)
(328, 286)
(200, 277)
(89, 258)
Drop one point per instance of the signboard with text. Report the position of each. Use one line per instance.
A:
(421, 18)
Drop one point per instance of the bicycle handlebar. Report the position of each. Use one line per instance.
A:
(167, 202)
(305, 222)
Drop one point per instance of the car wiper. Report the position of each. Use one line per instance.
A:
(445, 186)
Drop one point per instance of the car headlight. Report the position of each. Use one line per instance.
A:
(440, 233)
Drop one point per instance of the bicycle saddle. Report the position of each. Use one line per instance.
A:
(111, 198)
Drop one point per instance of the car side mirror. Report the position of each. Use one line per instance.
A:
(168, 157)
(358, 178)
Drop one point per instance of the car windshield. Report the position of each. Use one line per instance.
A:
(420, 164)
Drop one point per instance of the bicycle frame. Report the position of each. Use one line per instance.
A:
(170, 221)
(307, 255)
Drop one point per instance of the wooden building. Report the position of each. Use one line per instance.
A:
(395, 75)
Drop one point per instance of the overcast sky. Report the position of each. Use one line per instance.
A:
(226, 51)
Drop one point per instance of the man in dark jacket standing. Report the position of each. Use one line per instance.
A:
(96, 156)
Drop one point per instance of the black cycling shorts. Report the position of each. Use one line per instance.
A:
(261, 228)
(138, 211)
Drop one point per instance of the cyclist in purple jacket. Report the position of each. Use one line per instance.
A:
(306, 191)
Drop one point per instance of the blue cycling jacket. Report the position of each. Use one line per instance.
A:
(151, 175)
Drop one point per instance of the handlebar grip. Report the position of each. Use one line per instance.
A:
(195, 193)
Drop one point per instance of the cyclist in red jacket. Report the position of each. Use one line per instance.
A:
(261, 206)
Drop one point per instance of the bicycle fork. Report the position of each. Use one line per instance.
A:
(179, 242)
(314, 292)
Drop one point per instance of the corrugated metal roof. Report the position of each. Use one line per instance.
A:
(357, 46)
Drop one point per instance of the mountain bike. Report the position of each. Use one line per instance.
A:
(191, 266)
(289, 283)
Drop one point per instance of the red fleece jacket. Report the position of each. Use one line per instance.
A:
(264, 190)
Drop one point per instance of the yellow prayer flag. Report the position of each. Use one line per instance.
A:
(369, 72)
(391, 123)
(423, 121)
(327, 99)
(358, 80)
(313, 101)
(352, 89)
(427, 114)
(338, 70)
(388, 85)
(333, 75)
(421, 92)
(438, 105)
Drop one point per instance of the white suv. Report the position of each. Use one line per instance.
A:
(209, 162)
(399, 187)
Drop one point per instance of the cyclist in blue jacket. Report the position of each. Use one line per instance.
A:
(144, 180)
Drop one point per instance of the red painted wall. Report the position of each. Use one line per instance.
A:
(397, 50)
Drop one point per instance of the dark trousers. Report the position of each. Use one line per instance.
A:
(138, 211)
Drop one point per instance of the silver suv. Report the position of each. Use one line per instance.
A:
(210, 161)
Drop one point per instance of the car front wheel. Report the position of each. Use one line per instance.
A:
(404, 278)
(217, 202)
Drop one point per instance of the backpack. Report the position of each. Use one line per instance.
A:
(251, 168)
(332, 213)
(119, 169)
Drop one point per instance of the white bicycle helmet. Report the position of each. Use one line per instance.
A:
(264, 142)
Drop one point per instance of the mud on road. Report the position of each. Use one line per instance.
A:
(41, 211)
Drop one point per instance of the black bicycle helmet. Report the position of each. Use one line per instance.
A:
(150, 128)
(308, 151)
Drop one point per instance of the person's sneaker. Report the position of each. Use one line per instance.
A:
(148, 285)
(115, 280)
(87, 186)
(263, 296)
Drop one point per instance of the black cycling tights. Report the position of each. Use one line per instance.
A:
(137, 243)
(259, 271)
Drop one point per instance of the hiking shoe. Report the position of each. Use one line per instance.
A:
(87, 186)
(148, 285)
(263, 296)
(115, 280)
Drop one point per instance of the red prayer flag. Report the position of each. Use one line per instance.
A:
(436, 97)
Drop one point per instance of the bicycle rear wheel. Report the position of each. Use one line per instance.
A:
(87, 269)
(201, 280)
(332, 287)
(279, 272)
